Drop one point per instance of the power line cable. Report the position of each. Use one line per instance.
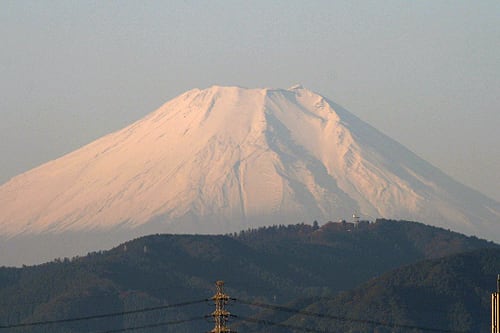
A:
(174, 322)
(261, 321)
(344, 319)
(272, 323)
(105, 315)
(119, 293)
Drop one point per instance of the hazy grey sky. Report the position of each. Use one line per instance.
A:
(427, 73)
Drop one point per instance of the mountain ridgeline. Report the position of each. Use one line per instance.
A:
(223, 159)
(292, 265)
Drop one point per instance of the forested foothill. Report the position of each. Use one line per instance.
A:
(384, 271)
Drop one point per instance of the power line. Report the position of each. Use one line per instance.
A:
(272, 323)
(174, 322)
(106, 315)
(260, 321)
(344, 319)
(123, 293)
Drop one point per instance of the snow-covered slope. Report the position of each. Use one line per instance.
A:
(227, 158)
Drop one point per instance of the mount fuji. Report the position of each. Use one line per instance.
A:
(224, 159)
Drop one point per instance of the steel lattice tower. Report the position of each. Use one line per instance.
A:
(220, 315)
(495, 309)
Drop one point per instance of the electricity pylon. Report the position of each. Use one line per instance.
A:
(220, 315)
(495, 309)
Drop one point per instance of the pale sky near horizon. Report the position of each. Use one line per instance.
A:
(426, 73)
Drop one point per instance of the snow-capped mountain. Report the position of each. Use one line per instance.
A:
(228, 158)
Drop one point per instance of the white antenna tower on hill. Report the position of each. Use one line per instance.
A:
(355, 220)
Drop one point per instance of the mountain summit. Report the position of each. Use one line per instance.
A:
(227, 158)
